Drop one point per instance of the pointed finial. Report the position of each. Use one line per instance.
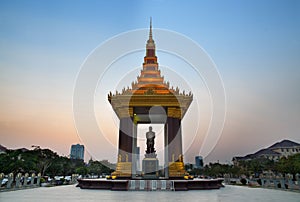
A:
(150, 32)
(150, 41)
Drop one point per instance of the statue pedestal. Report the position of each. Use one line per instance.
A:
(150, 168)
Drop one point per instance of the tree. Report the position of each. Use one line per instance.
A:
(14, 161)
(99, 167)
(217, 169)
(48, 163)
(83, 170)
(289, 165)
(45, 158)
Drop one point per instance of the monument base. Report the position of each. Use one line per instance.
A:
(150, 185)
(150, 168)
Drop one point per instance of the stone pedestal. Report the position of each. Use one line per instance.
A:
(10, 180)
(32, 179)
(18, 180)
(39, 179)
(150, 168)
(1, 178)
(26, 176)
(298, 180)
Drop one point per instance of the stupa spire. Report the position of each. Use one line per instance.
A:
(150, 42)
(150, 31)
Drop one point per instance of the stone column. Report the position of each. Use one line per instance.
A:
(18, 180)
(25, 179)
(267, 184)
(134, 152)
(227, 178)
(289, 179)
(281, 180)
(32, 179)
(268, 177)
(298, 180)
(1, 178)
(166, 151)
(262, 179)
(74, 178)
(277, 181)
(10, 180)
(39, 179)
(272, 181)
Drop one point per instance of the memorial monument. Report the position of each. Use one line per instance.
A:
(150, 100)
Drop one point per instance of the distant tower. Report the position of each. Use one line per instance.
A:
(198, 162)
(77, 152)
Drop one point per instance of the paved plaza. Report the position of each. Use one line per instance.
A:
(71, 193)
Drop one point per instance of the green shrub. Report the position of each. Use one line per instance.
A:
(43, 180)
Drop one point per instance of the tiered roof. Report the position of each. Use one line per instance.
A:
(150, 81)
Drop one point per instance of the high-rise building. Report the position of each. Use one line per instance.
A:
(77, 152)
(198, 162)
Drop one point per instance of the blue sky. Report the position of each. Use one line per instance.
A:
(255, 45)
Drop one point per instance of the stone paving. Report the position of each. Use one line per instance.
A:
(74, 194)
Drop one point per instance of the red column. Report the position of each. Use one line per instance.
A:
(125, 138)
(174, 138)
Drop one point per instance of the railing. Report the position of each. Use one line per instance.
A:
(32, 180)
(268, 180)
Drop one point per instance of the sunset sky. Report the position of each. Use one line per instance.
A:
(255, 46)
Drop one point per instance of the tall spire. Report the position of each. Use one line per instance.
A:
(150, 42)
(150, 32)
